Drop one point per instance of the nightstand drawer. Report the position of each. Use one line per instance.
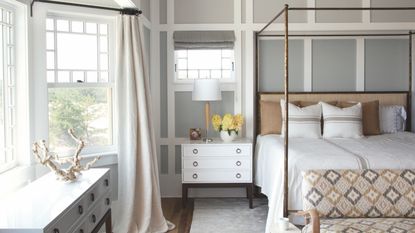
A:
(216, 150)
(217, 162)
(216, 176)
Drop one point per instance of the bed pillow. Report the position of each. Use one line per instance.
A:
(342, 122)
(302, 122)
(370, 116)
(392, 118)
(308, 103)
(271, 118)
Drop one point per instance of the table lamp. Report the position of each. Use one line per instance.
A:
(206, 90)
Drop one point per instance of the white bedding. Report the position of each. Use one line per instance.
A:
(395, 151)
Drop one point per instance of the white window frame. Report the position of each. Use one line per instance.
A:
(232, 79)
(10, 119)
(108, 149)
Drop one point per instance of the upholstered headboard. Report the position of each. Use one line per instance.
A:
(385, 98)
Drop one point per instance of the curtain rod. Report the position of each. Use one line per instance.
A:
(127, 11)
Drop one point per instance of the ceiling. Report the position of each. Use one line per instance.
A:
(106, 3)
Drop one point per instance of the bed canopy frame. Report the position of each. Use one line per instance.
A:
(285, 12)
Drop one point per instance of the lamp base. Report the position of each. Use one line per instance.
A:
(207, 140)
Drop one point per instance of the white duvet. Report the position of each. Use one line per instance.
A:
(395, 151)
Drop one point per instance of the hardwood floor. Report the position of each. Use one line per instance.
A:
(175, 213)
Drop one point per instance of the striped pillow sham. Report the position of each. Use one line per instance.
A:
(303, 122)
(342, 122)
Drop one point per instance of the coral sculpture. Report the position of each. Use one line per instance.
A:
(54, 163)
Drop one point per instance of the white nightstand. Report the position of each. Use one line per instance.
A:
(217, 164)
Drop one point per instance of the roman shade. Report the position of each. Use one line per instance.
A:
(204, 39)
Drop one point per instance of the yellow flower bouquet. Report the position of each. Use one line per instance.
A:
(228, 126)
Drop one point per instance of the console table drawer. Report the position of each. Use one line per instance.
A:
(222, 150)
(102, 206)
(63, 224)
(98, 190)
(217, 162)
(216, 176)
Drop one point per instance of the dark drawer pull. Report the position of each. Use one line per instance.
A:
(56, 230)
(194, 176)
(92, 197)
(81, 231)
(238, 163)
(80, 209)
(195, 164)
(238, 175)
(94, 218)
(195, 151)
(238, 151)
(106, 182)
(107, 201)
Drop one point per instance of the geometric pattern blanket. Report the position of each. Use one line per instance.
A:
(360, 225)
(367, 193)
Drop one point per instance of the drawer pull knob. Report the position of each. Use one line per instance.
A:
(56, 230)
(195, 164)
(238, 163)
(238, 151)
(106, 182)
(92, 197)
(195, 151)
(238, 175)
(81, 231)
(194, 176)
(80, 209)
(107, 201)
(94, 218)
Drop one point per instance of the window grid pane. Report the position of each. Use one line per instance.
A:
(81, 55)
(93, 37)
(7, 90)
(204, 64)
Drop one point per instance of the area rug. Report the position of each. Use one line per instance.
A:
(229, 215)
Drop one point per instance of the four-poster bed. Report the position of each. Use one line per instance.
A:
(403, 98)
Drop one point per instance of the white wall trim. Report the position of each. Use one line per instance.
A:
(311, 15)
(366, 18)
(249, 11)
(308, 64)
(360, 64)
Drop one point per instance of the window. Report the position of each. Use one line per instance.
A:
(7, 89)
(204, 63)
(80, 83)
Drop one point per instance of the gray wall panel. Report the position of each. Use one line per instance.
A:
(243, 9)
(271, 65)
(164, 159)
(145, 7)
(334, 65)
(202, 11)
(178, 159)
(190, 114)
(265, 10)
(163, 86)
(163, 11)
(386, 64)
(338, 16)
(393, 16)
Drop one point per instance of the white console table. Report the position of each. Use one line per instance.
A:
(52, 206)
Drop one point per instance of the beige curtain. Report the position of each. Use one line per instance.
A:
(138, 208)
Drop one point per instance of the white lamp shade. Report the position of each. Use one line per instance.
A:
(206, 90)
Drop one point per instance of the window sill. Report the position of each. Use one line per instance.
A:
(107, 158)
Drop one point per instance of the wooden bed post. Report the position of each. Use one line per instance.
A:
(409, 107)
(286, 110)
